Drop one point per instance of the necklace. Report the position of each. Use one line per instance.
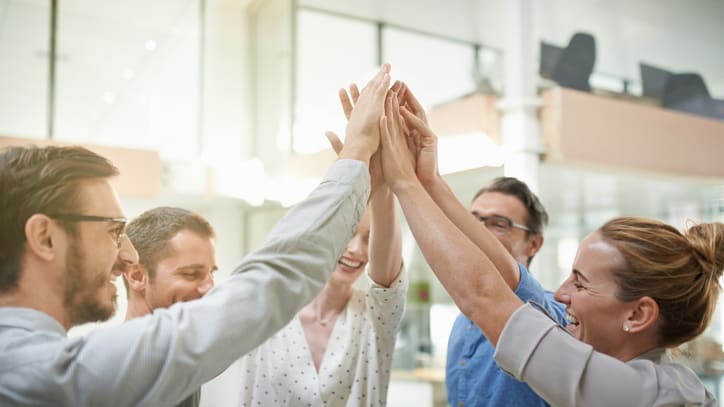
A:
(323, 321)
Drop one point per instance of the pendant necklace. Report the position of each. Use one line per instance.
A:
(318, 317)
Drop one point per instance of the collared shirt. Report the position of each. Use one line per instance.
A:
(472, 376)
(355, 369)
(161, 359)
(569, 373)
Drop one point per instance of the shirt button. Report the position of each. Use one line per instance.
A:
(470, 327)
(462, 362)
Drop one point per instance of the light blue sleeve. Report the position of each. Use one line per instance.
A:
(160, 359)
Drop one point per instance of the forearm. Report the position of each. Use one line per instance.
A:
(465, 271)
(460, 216)
(385, 238)
(189, 343)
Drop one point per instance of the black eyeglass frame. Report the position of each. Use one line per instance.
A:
(76, 217)
(506, 220)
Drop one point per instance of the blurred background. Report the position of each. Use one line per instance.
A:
(604, 107)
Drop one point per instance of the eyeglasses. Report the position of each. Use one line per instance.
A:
(117, 233)
(500, 224)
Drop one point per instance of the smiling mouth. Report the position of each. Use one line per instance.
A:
(571, 319)
(354, 265)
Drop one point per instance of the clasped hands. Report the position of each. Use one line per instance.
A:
(387, 127)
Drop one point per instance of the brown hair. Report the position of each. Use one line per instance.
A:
(39, 180)
(679, 271)
(151, 231)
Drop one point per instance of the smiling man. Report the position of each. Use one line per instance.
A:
(515, 216)
(60, 245)
(176, 263)
(176, 259)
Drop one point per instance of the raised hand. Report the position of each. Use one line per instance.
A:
(348, 101)
(398, 161)
(363, 132)
(376, 177)
(425, 146)
(409, 101)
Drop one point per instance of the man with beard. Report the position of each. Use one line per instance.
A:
(176, 263)
(57, 203)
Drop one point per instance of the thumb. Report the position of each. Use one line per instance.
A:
(334, 141)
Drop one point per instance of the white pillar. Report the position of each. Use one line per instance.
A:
(519, 124)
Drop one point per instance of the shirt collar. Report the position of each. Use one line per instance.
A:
(29, 319)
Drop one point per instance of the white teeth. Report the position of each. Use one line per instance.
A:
(571, 319)
(351, 265)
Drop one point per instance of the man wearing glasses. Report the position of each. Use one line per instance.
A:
(62, 244)
(57, 273)
(516, 217)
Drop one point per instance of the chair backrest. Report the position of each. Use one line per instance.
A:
(575, 65)
(687, 92)
(549, 56)
(653, 80)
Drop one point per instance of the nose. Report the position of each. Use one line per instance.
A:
(355, 245)
(206, 285)
(562, 294)
(127, 253)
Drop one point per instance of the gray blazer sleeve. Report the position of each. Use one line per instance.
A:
(567, 372)
(160, 359)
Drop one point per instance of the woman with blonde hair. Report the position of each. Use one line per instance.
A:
(637, 287)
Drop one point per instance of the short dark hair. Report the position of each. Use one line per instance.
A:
(537, 215)
(151, 231)
(39, 180)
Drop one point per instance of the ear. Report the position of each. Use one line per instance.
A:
(137, 278)
(42, 236)
(644, 315)
(535, 242)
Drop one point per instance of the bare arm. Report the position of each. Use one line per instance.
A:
(465, 271)
(385, 238)
(443, 196)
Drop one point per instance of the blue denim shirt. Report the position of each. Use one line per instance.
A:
(472, 376)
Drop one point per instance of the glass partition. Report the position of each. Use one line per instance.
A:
(24, 67)
(129, 75)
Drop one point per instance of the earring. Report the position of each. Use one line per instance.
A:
(626, 328)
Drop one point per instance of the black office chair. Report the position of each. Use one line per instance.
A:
(575, 65)
(549, 56)
(687, 92)
(653, 81)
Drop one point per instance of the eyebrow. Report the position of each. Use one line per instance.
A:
(195, 267)
(581, 276)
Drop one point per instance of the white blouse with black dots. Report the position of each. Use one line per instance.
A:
(355, 368)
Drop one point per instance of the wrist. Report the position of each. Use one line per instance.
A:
(354, 152)
(431, 182)
(402, 185)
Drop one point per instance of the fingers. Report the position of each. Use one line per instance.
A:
(334, 141)
(385, 142)
(354, 91)
(413, 122)
(397, 118)
(346, 103)
(389, 113)
(402, 93)
(414, 103)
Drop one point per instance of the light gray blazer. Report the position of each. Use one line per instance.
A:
(567, 372)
